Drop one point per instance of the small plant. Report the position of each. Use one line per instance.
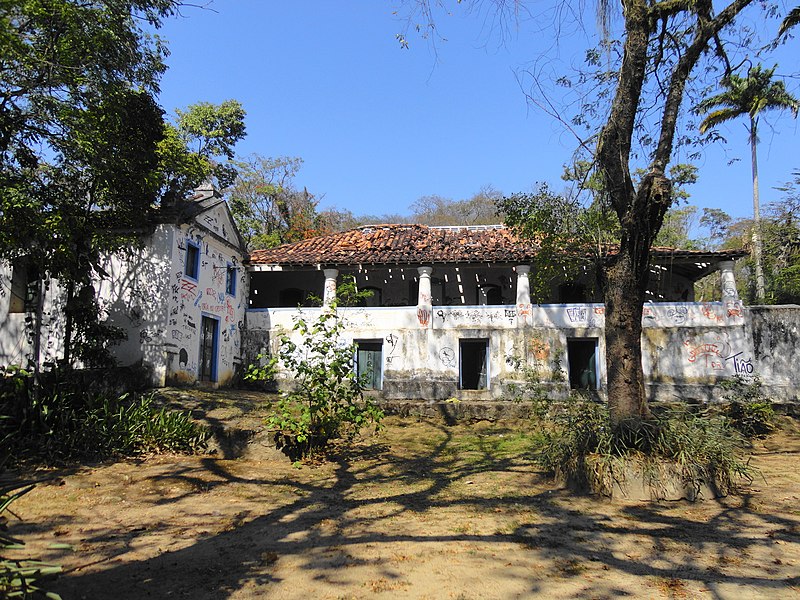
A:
(534, 389)
(749, 411)
(18, 578)
(327, 401)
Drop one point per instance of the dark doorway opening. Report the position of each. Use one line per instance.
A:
(582, 357)
(291, 298)
(209, 334)
(489, 295)
(474, 366)
(369, 364)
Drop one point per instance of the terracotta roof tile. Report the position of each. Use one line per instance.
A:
(420, 244)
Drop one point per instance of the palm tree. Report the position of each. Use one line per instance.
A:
(749, 95)
(792, 19)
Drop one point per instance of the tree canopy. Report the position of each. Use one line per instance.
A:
(85, 152)
(634, 96)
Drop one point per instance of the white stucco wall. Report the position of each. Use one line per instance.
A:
(684, 344)
(190, 299)
(149, 296)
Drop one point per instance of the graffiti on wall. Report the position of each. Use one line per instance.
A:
(424, 315)
(206, 294)
(585, 315)
(678, 314)
(709, 311)
(448, 357)
(741, 365)
(715, 352)
(476, 316)
(539, 349)
(392, 341)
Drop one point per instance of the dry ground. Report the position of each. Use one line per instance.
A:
(424, 510)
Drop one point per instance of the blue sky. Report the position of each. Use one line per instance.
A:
(379, 126)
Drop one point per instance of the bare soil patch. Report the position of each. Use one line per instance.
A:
(423, 510)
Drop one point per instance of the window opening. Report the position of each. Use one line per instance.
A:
(473, 364)
(24, 288)
(192, 267)
(291, 298)
(582, 360)
(489, 295)
(369, 364)
(373, 300)
(230, 280)
(572, 292)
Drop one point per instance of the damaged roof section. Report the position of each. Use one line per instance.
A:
(402, 244)
(420, 244)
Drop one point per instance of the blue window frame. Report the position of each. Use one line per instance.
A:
(230, 280)
(192, 267)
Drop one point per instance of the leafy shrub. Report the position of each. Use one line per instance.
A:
(327, 401)
(63, 423)
(18, 579)
(749, 411)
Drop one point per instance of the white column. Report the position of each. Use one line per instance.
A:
(523, 284)
(424, 304)
(524, 309)
(730, 296)
(329, 294)
(727, 281)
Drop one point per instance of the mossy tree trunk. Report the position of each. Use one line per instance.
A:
(641, 207)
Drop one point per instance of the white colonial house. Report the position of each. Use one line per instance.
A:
(180, 296)
(451, 316)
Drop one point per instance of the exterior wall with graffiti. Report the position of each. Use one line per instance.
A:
(688, 347)
(205, 304)
(21, 297)
(179, 296)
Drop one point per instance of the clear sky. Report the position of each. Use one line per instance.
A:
(379, 126)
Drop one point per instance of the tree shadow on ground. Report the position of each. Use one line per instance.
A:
(373, 492)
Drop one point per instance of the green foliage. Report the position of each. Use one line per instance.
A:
(268, 208)
(749, 95)
(85, 154)
(62, 422)
(326, 402)
(570, 237)
(676, 230)
(18, 578)
(749, 411)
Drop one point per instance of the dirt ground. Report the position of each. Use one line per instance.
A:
(423, 510)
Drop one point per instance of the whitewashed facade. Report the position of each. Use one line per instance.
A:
(179, 295)
(452, 329)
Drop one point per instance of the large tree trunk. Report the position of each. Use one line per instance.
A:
(759, 269)
(625, 282)
(623, 298)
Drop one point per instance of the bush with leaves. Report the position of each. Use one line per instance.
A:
(750, 411)
(59, 422)
(326, 401)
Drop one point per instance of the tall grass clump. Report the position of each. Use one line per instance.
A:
(61, 422)
(581, 447)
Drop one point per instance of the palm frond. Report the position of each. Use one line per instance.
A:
(791, 20)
